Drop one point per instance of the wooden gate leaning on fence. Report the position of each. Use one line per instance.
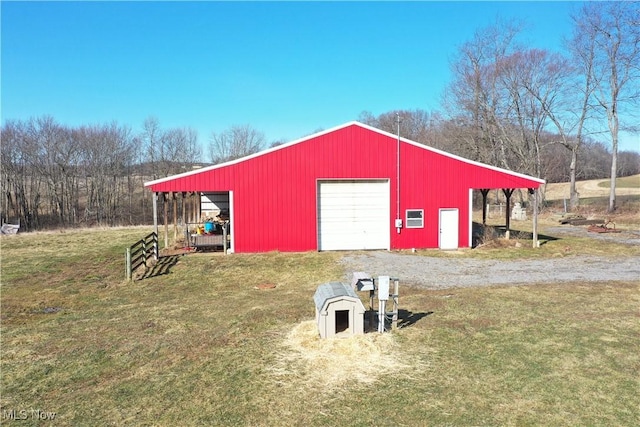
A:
(138, 253)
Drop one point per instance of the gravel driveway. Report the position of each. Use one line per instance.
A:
(450, 272)
(442, 273)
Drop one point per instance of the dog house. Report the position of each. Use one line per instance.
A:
(339, 311)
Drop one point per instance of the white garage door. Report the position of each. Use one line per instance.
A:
(353, 215)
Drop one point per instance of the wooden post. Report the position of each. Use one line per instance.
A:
(194, 207)
(184, 205)
(156, 251)
(485, 192)
(198, 207)
(174, 201)
(166, 219)
(507, 193)
(144, 252)
(155, 224)
(127, 262)
(534, 192)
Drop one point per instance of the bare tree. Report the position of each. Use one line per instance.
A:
(277, 143)
(169, 151)
(475, 99)
(416, 125)
(22, 187)
(150, 138)
(523, 119)
(614, 29)
(178, 150)
(56, 158)
(597, 163)
(236, 142)
(582, 53)
(500, 120)
(109, 153)
(555, 163)
(558, 88)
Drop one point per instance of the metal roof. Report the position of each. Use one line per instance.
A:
(332, 290)
(328, 131)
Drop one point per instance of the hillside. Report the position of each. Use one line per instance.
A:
(626, 186)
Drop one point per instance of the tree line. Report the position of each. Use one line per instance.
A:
(540, 112)
(507, 98)
(53, 175)
(551, 115)
(58, 176)
(433, 130)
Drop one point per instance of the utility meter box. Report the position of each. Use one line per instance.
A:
(362, 281)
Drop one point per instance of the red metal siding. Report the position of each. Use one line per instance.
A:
(275, 200)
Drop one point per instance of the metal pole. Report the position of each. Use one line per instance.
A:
(394, 320)
(371, 311)
(535, 218)
(224, 237)
(398, 175)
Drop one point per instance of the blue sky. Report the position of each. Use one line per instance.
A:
(286, 68)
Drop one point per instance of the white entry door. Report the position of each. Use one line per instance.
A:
(448, 229)
(353, 215)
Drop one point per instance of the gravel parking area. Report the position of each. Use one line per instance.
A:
(442, 273)
(451, 272)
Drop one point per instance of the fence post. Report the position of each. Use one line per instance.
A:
(127, 262)
(155, 246)
(144, 252)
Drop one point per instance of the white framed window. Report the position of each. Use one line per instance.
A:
(415, 218)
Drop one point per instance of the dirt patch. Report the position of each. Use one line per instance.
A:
(500, 244)
(625, 236)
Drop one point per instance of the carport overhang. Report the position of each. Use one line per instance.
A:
(533, 191)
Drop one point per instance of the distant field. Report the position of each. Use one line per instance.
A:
(626, 186)
(626, 182)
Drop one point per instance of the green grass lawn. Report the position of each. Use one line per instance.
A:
(201, 345)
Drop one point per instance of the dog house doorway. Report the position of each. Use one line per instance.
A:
(342, 321)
